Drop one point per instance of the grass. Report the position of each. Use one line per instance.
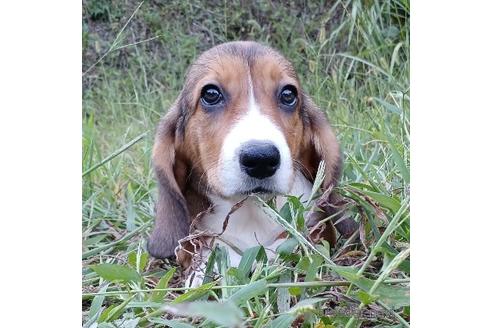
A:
(353, 59)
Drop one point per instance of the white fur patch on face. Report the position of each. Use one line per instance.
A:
(253, 126)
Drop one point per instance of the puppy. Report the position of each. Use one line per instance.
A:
(241, 125)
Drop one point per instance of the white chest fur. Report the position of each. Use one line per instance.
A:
(249, 226)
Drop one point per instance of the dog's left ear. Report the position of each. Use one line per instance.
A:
(172, 220)
(320, 144)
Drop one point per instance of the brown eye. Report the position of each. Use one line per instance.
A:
(288, 96)
(211, 95)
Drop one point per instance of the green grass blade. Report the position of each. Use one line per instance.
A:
(114, 154)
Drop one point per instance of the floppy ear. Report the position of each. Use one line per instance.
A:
(172, 216)
(320, 144)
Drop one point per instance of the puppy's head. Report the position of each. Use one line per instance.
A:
(241, 124)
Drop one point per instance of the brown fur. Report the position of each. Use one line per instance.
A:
(189, 140)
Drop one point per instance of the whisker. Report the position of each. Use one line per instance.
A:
(302, 168)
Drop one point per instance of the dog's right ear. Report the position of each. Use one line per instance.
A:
(172, 220)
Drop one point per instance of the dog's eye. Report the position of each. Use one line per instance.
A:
(211, 95)
(288, 96)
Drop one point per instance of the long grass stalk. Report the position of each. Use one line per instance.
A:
(306, 284)
(114, 154)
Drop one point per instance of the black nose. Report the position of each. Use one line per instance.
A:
(259, 159)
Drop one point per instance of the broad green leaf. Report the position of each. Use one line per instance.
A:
(226, 314)
(144, 258)
(162, 284)
(234, 272)
(194, 294)
(313, 267)
(287, 247)
(295, 202)
(300, 223)
(295, 291)
(116, 272)
(365, 298)
(303, 264)
(248, 258)
(393, 296)
(245, 293)
(286, 213)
